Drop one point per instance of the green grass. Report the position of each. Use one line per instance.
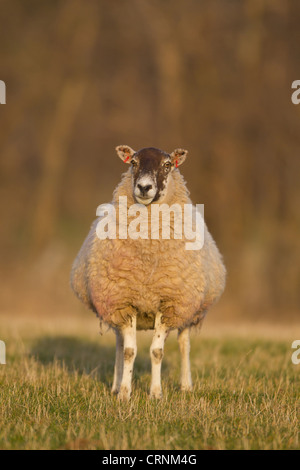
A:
(55, 391)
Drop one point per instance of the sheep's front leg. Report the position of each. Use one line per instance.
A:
(184, 346)
(156, 354)
(130, 349)
(118, 372)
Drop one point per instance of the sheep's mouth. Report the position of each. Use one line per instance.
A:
(144, 200)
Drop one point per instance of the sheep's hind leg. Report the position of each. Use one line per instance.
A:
(130, 349)
(184, 346)
(118, 372)
(156, 353)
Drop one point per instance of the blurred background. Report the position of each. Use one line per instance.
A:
(211, 76)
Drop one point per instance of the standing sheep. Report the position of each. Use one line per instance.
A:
(150, 282)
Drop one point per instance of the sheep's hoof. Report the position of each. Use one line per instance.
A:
(124, 394)
(114, 391)
(156, 393)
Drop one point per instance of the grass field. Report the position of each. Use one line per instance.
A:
(55, 389)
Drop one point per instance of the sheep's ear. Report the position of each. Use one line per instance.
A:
(178, 156)
(125, 153)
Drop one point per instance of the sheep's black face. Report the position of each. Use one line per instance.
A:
(150, 173)
(151, 169)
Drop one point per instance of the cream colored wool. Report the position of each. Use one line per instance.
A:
(121, 279)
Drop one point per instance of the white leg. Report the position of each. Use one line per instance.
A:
(156, 354)
(184, 346)
(129, 335)
(118, 372)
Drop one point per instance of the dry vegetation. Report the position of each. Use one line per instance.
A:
(55, 390)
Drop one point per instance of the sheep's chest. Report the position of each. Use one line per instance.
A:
(147, 275)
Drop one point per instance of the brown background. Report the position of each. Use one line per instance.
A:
(210, 76)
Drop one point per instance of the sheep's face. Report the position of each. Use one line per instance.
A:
(151, 169)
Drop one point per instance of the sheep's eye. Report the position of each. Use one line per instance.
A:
(167, 165)
(133, 163)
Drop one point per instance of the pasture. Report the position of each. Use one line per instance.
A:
(55, 389)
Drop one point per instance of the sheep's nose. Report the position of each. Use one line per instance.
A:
(144, 189)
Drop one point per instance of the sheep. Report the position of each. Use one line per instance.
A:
(148, 283)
